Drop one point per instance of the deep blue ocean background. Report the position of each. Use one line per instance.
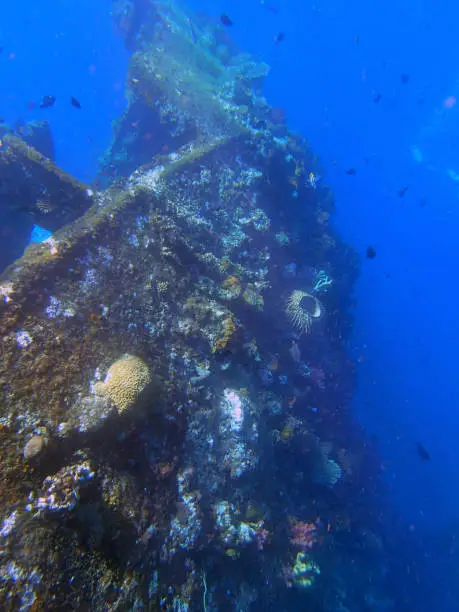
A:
(335, 60)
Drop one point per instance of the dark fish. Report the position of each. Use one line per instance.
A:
(2, 120)
(371, 253)
(423, 452)
(47, 101)
(1, 49)
(74, 102)
(422, 202)
(401, 192)
(279, 38)
(226, 21)
(377, 98)
(351, 171)
(404, 78)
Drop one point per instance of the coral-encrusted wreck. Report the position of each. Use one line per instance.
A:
(173, 375)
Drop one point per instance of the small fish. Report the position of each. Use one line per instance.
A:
(357, 39)
(377, 98)
(371, 253)
(404, 78)
(280, 37)
(1, 49)
(226, 21)
(401, 192)
(423, 452)
(351, 171)
(422, 202)
(74, 102)
(313, 180)
(47, 101)
(2, 120)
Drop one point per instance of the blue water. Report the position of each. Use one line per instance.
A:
(335, 59)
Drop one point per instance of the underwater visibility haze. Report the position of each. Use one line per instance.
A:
(228, 306)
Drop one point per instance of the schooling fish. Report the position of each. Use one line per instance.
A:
(377, 98)
(74, 102)
(404, 78)
(351, 171)
(371, 253)
(47, 101)
(401, 192)
(423, 452)
(279, 38)
(226, 21)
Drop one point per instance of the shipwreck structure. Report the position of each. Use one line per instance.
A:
(174, 426)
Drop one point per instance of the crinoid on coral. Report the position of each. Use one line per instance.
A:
(303, 310)
(126, 379)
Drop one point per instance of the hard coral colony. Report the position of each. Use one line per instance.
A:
(125, 381)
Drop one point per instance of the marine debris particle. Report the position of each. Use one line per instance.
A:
(125, 381)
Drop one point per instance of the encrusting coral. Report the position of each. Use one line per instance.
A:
(126, 379)
(303, 309)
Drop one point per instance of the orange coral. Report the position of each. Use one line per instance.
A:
(229, 327)
(231, 287)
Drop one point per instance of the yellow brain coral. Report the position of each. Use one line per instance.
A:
(125, 381)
